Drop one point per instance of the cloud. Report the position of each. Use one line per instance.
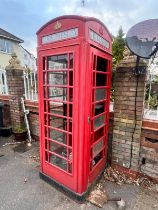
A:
(31, 44)
(112, 19)
(24, 18)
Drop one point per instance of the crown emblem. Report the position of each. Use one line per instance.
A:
(57, 25)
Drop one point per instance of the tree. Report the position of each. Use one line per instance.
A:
(118, 47)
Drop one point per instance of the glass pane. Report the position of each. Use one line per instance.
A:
(100, 94)
(61, 163)
(70, 154)
(58, 122)
(70, 168)
(70, 78)
(45, 106)
(94, 62)
(9, 48)
(46, 156)
(61, 123)
(101, 64)
(58, 149)
(44, 63)
(45, 91)
(70, 141)
(98, 147)
(99, 121)
(44, 78)
(97, 158)
(98, 134)
(58, 108)
(99, 108)
(57, 135)
(101, 79)
(2, 45)
(57, 78)
(57, 62)
(45, 132)
(71, 61)
(59, 94)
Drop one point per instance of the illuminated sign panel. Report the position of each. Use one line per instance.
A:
(72, 33)
(95, 37)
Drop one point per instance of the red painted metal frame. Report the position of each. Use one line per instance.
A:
(58, 174)
(85, 53)
(95, 53)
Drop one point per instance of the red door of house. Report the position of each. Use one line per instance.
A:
(99, 106)
(58, 102)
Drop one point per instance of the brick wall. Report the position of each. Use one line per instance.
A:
(128, 113)
(148, 157)
(14, 73)
(4, 99)
(126, 135)
(110, 137)
(33, 118)
(149, 149)
(132, 147)
(135, 141)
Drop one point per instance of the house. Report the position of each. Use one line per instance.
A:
(9, 44)
(27, 59)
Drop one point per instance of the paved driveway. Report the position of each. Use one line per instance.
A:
(22, 189)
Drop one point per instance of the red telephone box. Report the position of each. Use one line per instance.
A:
(74, 68)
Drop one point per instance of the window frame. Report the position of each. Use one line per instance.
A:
(6, 42)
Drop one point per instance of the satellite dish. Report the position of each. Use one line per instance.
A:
(142, 38)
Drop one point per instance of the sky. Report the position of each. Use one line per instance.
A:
(23, 18)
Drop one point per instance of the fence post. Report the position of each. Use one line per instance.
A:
(30, 85)
(14, 73)
(127, 119)
(3, 82)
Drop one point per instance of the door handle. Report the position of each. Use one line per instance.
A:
(89, 120)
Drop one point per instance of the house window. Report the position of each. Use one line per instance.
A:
(6, 46)
(2, 45)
